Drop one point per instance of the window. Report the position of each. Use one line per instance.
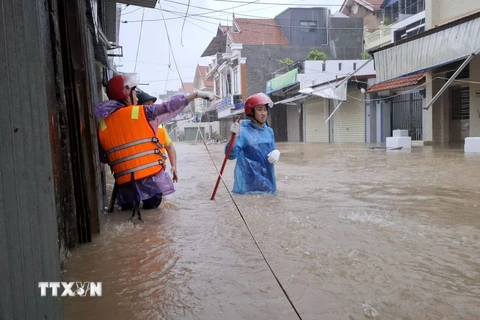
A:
(308, 26)
(228, 84)
(354, 66)
(339, 66)
(235, 80)
(460, 101)
(217, 86)
(324, 66)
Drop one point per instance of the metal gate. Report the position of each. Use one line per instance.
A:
(407, 114)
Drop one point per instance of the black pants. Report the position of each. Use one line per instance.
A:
(151, 203)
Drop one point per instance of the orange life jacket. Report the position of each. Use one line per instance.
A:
(130, 145)
(161, 138)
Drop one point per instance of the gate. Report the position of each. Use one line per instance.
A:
(407, 114)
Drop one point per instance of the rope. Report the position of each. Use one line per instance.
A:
(223, 181)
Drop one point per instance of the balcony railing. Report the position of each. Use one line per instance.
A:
(378, 38)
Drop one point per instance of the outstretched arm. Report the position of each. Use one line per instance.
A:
(170, 109)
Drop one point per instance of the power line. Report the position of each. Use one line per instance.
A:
(284, 4)
(183, 25)
(139, 39)
(234, 202)
(255, 22)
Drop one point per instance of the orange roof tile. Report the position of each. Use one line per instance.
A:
(401, 82)
(257, 32)
(369, 4)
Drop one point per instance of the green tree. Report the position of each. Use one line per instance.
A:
(287, 61)
(317, 55)
(365, 56)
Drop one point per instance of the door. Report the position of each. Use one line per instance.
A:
(349, 120)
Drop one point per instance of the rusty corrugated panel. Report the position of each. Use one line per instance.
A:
(28, 224)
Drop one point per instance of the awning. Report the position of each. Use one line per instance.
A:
(335, 91)
(433, 48)
(292, 99)
(402, 82)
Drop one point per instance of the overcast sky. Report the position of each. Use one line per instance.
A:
(201, 24)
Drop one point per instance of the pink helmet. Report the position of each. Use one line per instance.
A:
(255, 100)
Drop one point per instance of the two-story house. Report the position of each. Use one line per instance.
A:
(446, 54)
(396, 104)
(251, 51)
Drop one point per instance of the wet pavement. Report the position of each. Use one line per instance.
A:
(353, 233)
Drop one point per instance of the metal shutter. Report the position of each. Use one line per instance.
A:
(315, 126)
(349, 120)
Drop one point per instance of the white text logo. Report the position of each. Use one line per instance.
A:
(71, 289)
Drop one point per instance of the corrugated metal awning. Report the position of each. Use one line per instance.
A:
(436, 47)
(138, 3)
(335, 91)
(292, 99)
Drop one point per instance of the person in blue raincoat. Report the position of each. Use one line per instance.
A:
(254, 148)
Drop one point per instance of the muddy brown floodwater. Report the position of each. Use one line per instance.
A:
(353, 233)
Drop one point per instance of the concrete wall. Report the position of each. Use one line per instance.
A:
(289, 22)
(293, 123)
(371, 121)
(370, 21)
(439, 125)
(263, 61)
(439, 12)
(28, 219)
(475, 97)
(346, 38)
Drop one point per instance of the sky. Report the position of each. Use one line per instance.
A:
(146, 49)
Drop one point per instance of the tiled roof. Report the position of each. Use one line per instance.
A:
(217, 45)
(369, 4)
(401, 82)
(257, 32)
(203, 73)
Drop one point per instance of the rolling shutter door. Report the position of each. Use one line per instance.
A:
(349, 120)
(315, 126)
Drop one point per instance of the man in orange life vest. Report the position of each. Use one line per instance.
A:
(128, 142)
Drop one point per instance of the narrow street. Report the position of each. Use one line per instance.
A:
(353, 233)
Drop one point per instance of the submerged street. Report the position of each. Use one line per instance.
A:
(354, 233)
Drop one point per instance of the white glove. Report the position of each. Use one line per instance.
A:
(235, 128)
(207, 95)
(273, 156)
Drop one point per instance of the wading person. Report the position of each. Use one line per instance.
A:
(128, 142)
(254, 148)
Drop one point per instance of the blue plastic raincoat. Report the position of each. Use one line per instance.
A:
(253, 173)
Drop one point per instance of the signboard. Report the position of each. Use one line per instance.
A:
(282, 81)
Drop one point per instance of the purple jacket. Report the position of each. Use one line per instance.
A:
(156, 114)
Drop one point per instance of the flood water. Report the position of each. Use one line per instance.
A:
(353, 233)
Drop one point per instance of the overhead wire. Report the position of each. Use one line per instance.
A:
(139, 39)
(183, 25)
(231, 196)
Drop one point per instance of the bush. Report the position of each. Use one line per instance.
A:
(365, 56)
(317, 55)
